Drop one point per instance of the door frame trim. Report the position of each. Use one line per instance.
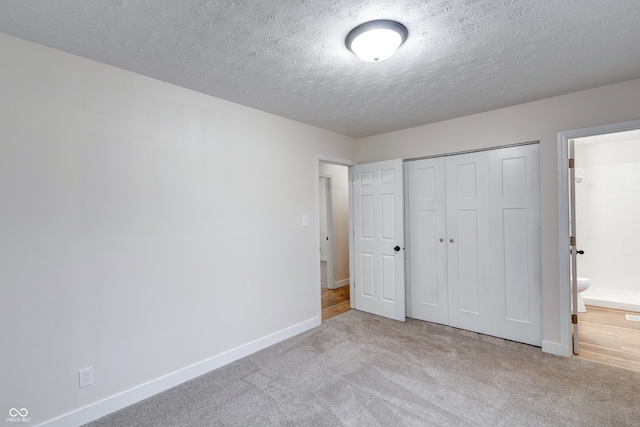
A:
(407, 242)
(320, 158)
(564, 281)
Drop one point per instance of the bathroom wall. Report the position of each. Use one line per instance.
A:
(607, 210)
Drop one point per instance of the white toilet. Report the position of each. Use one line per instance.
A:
(583, 285)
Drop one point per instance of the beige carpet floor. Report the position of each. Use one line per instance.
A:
(362, 370)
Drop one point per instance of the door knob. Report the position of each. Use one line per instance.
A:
(397, 249)
(581, 252)
(451, 240)
(441, 240)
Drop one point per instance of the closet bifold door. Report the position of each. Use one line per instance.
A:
(474, 226)
(427, 225)
(515, 243)
(468, 242)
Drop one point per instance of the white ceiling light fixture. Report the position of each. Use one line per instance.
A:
(375, 41)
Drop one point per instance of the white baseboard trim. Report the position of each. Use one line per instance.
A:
(129, 397)
(341, 283)
(554, 348)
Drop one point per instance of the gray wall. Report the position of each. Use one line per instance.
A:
(146, 230)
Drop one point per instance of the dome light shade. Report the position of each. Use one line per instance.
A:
(376, 41)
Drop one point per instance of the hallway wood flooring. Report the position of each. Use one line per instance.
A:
(606, 336)
(335, 302)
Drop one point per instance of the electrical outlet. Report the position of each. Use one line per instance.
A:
(85, 376)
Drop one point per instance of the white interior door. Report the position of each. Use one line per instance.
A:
(379, 238)
(468, 241)
(428, 231)
(574, 254)
(514, 199)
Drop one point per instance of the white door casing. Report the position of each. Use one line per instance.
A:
(428, 228)
(516, 275)
(379, 238)
(468, 240)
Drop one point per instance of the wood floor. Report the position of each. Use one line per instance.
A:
(606, 336)
(335, 302)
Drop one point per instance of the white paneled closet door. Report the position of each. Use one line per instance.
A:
(485, 274)
(515, 243)
(468, 241)
(428, 225)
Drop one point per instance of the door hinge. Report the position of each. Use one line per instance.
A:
(571, 163)
(574, 319)
(572, 240)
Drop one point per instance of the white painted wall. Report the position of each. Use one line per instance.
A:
(608, 208)
(340, 220)
(535, 121)
(144, 228)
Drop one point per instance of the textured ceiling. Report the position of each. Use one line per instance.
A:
(288, 57)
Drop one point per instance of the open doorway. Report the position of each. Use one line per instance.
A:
(570, 243)
(333, 216)
(607, 207)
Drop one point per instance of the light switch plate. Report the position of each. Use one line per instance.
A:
(305, 220)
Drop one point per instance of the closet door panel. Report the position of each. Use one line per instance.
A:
(515, 244)
(468, 242)
(468, 253)
(427, 222)
(516, 266)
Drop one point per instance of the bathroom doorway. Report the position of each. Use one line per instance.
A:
(333, 204)
(607, 225)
